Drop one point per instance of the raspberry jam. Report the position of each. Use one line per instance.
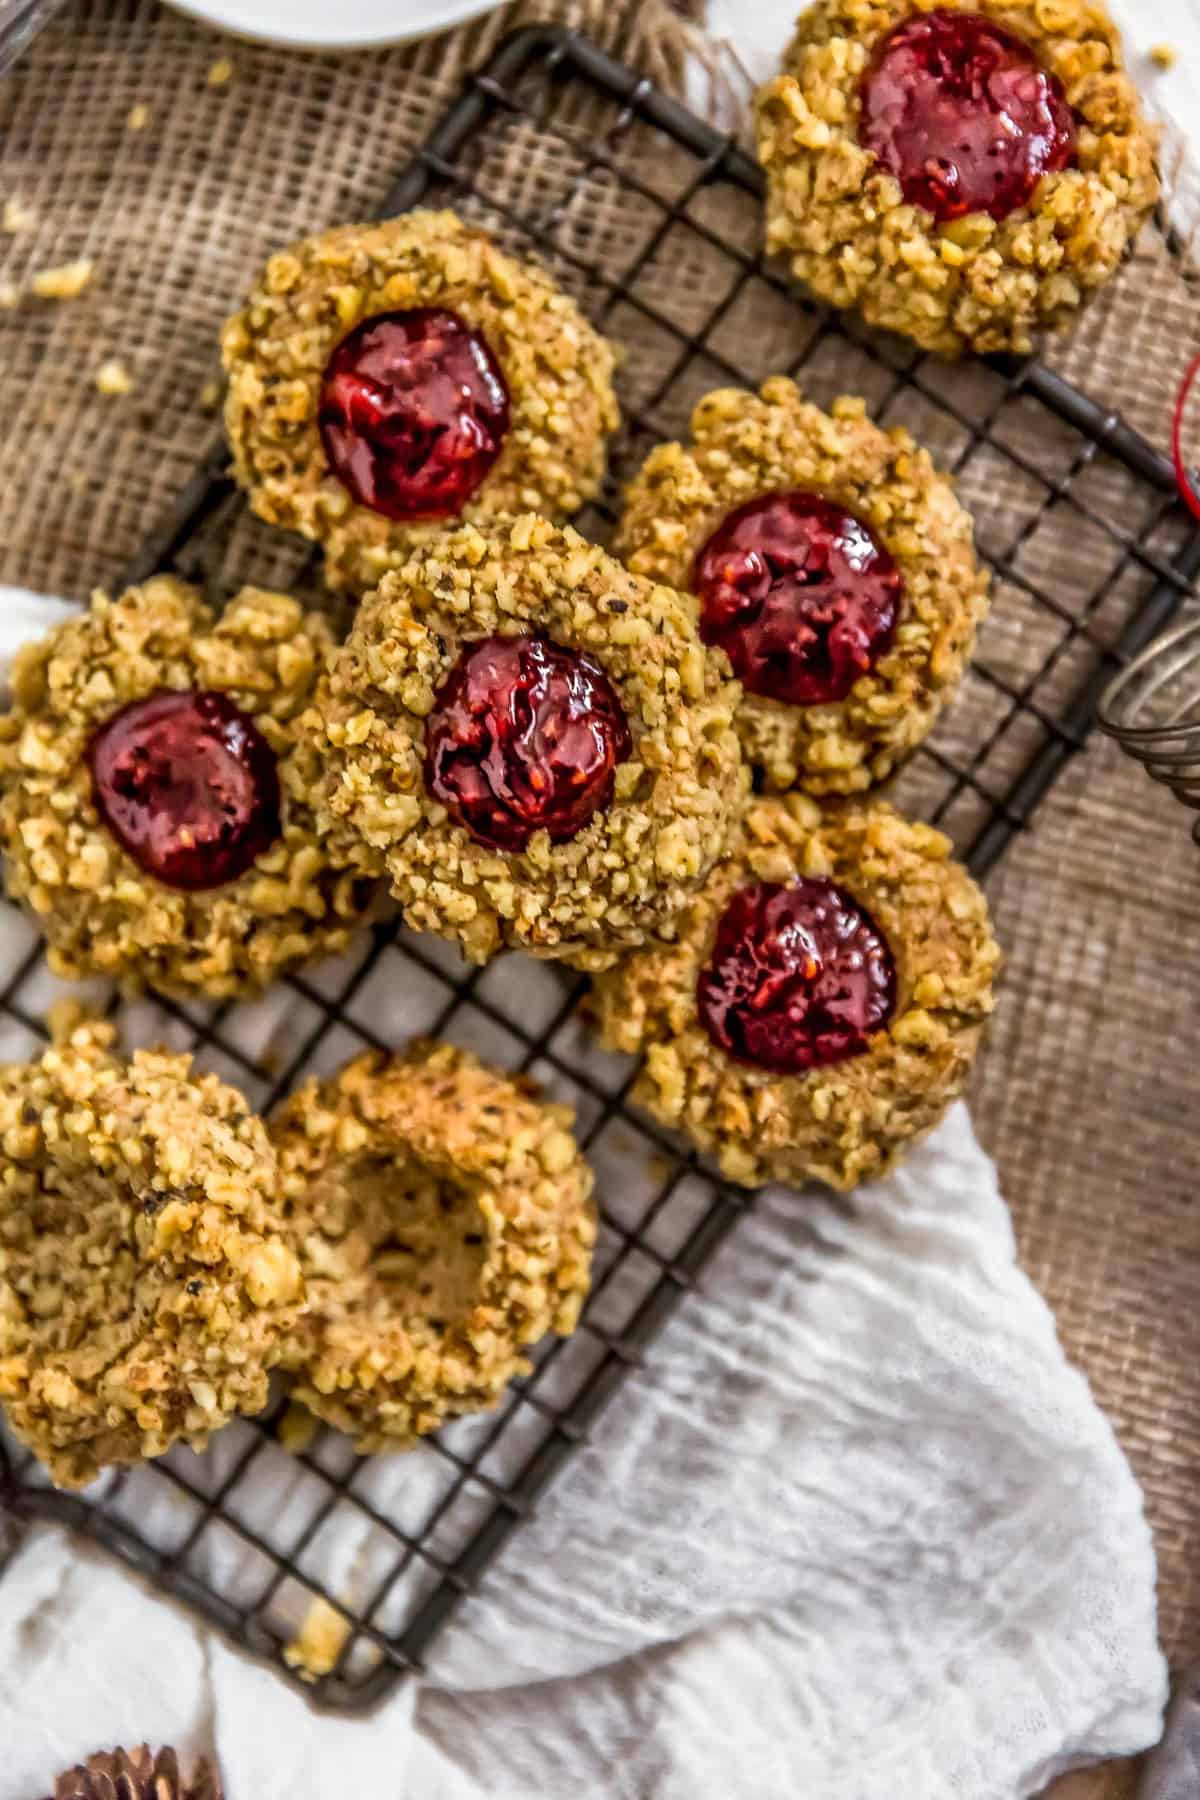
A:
(188, 786)
(413, 413)
(799, 595)
(525, 736)
(800, 976)
(961, 112)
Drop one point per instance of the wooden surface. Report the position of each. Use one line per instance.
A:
(1115, 1781)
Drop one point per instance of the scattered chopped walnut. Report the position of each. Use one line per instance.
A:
(317, 1645)
(139, 117)
(1163, 56)
(113, 378)
(221, 72)
(63, 282)
(297, 1428)
(210, 396)
(17, 217)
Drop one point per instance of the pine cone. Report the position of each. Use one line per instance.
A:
(136, 1775)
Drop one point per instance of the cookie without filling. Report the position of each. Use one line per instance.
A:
(156, 792)
(966, 174)
(834, 564)
(144, 1283)
(387, 381)
(531, 744)
(824, 1001)
(443, 1219)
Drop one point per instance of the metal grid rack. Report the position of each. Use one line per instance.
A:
(625, 192)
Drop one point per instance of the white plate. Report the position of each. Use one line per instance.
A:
(349, 25)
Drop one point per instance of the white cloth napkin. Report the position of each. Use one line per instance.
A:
(858, 1533)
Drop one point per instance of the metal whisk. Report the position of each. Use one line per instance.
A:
(1152, 708)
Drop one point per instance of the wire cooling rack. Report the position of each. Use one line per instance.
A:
(653, 220)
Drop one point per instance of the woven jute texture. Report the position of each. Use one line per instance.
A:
(1088, 1092)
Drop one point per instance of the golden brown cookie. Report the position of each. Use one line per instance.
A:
(144, 1286)
(531, 743)
(389, 381)
(156, 792)
(825, 999)
(966, 174)
(443, 1218)
(833, 564)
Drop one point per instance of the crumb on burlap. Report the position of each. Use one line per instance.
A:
(210, 396)
(138, 118)
(10, 296)
(317, 1645)
(63, 282)
(17, 217)
(1164, 56)
(113, 378)
(221, 73)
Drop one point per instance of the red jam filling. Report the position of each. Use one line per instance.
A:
(414, 412)
(525, 736)
(800, 976)
(961, 112)
(188, 786)
(799, 595)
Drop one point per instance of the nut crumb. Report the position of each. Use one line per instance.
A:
(18, 218)
(317, 1645)
(221, 72)
(113, 378)
(63, 282)
(1163, 56)
(210, 396)
(297, 1428)
(10, 296)
(139, 117)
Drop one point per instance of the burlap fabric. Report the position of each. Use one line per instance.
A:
(1088, 1093)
